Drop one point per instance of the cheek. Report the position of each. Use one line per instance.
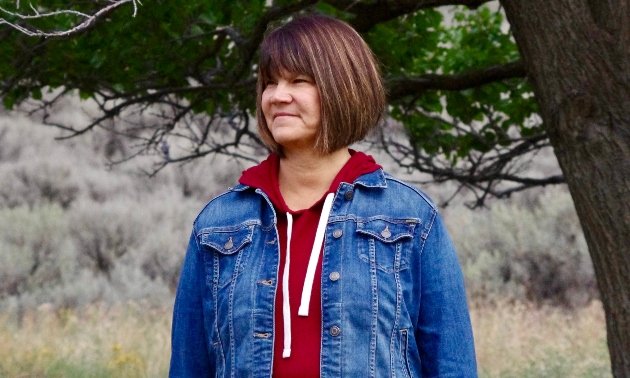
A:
(265, 105)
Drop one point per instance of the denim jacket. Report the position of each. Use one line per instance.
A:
(393, 300)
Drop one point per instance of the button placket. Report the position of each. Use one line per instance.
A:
(335, 331)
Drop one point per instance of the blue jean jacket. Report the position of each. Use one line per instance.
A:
(393, 300)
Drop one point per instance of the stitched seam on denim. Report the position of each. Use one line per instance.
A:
(341, 312)
(398, 306)
(425, 233)
(275, 292)
(428, 226)
(374, 326)
(259, 332)
(369, 260)
(404, 352)
(379, 183)
(341, 355)
(210, 202)
(230, 314)
(353, 217)
(396, 238)
(215, 296)
(418, 191)
(274, 222)
(239, 249)
(228, 229)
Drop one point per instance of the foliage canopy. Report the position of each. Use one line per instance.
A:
(184, 74)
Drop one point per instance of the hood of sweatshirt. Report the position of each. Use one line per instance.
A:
(265, 176)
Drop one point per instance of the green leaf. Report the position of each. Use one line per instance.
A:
(36, 94)
(8, 101)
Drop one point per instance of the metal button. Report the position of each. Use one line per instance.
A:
(337, 234)
(335, 331)
(334, 276)
(229, 244)
(348, 195)
(386, 233)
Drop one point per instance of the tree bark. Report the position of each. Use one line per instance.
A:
(576, 54)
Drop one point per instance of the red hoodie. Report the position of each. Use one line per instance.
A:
(305, 330)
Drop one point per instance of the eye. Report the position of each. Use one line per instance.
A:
(270, 82)
(302, 79)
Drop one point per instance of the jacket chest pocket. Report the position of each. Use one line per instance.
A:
(227, 251)
(385, 242)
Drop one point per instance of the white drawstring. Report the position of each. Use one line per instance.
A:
(286, 307)
(312, 262)
(310, 273)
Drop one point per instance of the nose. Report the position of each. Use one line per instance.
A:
(281, 94)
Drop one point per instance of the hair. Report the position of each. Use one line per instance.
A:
(343, 68)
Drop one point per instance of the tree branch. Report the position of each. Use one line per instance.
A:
(250, 46)
(497, 173)
(371, 13)
(400, 87)
(89, 19)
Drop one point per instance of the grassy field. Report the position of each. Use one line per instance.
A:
(127, 340)
(516, 340)
(132, 340)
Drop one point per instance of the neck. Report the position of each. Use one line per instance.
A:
(305, 177)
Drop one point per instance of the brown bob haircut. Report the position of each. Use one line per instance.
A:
(343, 68)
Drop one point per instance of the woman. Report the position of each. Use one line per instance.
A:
(318, 263)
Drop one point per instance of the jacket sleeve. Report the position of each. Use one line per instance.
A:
(443, 333)
(189, 348)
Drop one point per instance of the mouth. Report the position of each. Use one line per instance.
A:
(282, 114)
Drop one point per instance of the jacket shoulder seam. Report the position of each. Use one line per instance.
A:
(419, 192)
(208, 205)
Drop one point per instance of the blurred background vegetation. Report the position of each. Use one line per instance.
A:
(91, 246)
(90, 256)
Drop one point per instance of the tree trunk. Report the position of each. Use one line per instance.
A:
(576, 53)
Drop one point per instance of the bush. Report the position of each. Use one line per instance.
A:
(37, 181)
(526, 251)
(110, 235)
(35, 249)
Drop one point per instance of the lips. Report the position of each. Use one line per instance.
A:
(283, 114)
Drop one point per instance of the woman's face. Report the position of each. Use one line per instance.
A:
(291, 106)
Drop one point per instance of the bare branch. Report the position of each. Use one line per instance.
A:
(371, 13)
(88, 19)
(399, 87)
(275, 12)
(497, 173)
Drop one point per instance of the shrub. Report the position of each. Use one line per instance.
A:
(37, 181)
(34, 249)
(104, 232)
(526, 251)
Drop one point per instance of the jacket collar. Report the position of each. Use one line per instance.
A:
(374, 179)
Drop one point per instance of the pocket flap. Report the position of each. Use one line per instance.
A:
(227, 241)
(387, 230)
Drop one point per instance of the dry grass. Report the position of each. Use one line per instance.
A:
(131, 340)
(127, 340)
(518, 340)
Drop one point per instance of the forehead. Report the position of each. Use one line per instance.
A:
(285, 74)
